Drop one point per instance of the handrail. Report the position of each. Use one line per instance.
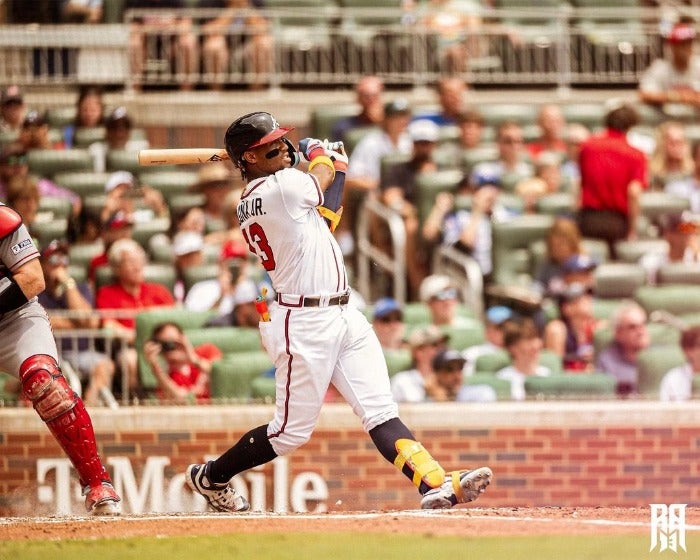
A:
(369, 254)
(466, 273)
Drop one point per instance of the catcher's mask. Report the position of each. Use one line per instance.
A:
(253, 130)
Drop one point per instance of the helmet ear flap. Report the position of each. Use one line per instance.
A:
(293, 152)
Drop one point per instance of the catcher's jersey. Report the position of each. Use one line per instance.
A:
(282, 226)
(16, 248)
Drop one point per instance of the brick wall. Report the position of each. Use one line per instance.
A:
(569, 454)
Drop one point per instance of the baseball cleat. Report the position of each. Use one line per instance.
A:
(102, 500)
(220, 497)
(458, 488)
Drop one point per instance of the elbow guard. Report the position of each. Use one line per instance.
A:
(11, 295)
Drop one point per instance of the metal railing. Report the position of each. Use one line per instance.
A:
(335, 46)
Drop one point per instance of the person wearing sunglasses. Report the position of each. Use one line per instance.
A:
(387, 320)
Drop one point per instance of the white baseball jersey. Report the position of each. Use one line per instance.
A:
(282, 227)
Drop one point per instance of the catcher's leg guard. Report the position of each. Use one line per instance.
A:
(64, 414)
(425, 469)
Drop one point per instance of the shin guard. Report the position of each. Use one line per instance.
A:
(415, 457)
(65, 415)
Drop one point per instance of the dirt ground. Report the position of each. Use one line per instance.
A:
(485, 521)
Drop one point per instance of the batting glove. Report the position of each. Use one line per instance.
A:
(311, 148)
(339, 158)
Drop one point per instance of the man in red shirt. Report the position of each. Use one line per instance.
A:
(129, 293)
(613, 175)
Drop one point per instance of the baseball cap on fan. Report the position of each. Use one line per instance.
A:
(11, 94)
(232, 249)
(680, 33)
(437, 286)
(119, 178)
(424, 130)
(186, 242)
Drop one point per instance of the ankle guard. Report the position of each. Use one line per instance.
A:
(64, 414)
(425, 469)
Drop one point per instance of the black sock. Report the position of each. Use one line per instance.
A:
(384, 437)
(251, 450)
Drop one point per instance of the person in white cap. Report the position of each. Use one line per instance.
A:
(187, 250)
(400, 193)
(141, 202)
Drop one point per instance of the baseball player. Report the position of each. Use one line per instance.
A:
(28, 349)
(313, 336)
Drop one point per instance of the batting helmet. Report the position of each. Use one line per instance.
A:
(250, 131)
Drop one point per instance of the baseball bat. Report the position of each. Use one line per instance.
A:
(181, 156)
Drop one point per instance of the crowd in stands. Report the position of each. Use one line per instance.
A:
(134, 241)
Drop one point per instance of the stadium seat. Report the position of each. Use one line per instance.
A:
(472, 156)
(463, 337)
(397, 360)
(263, 388)
(143, 231)
(122, 160)
(194, 274)
(82, 183)
(496, 113)
(430, 184)
(46, 163)
(654, 363)
(58, 117)
(45, 232)
(493, 362)
(60, 208)
(511, 242)
(354, 135)
(232, 376)
(84, 136)
(6, 397)
(678, 273)
(578, 385)
(324, 118)
(675, 299)
(500, 386)
(556, 204)
(230, 340)
(618, 280)
(632, 251)
(590, 115)
(181, 201)
(168, 182)
(7, 136)
(653, 204)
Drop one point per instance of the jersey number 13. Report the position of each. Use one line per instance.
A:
(256, 239)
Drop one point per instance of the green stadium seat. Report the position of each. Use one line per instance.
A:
(46, 163)
(500, 386)
(7, 397)
(430, 184)
(678, 273)
(354, 135)
(168, 182)
(82, 183)
(578, 385)
(618, 280)
(7, 136)
(397, 360)
(631, 251)
(194, 274)
(556, 204)
(654, 363)
(492, 362)
(590, 115)
(58, 117)
(232, 376)
(84, 136)
(60, 208)
(123, 160)
(263, 388)
(510, 249)
(78, 272)
(324, 118)
(496, 113)
(480, 154)
(653, 204)
(675, 299)
(144, 231)
(463, 337)
(45, 232)
(82, 253)
(182, 201)
(229, 340)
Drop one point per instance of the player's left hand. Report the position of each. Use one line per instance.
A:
(339, 159)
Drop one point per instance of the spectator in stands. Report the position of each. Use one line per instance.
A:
(571, 335)
(511, 164)
(400, 193)
(674, 79)
(81, 11)
(119, 225)
(368, 95)
(548, 168)
(456, 26)
(364, 172)
(471, 129)
(552, 126)
(128, 294)
(215, 182)
(419, 383)
(244, 312)
(141, 202)
(677, 384)
(89, 108)
(387, 321)
(171, 34)
(181, 370)
(13, 163)
(451, 92)
(12, 109)
(449, 366)
(630, 337)
(671, 160)
(495, 320)
(24, 197)
(467, 230)
(217, 293)
(118, 128)
(524, 345)
(576, 134)
(529, 191)
(65, 294)
(440, 294)
(613, 176)
(563, 241)
(239, 32)
(34, 134)
(188, 252)
(689, 188)
(682, 232)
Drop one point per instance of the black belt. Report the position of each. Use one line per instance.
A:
(314, 301)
